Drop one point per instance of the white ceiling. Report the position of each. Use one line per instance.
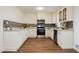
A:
(26, 9)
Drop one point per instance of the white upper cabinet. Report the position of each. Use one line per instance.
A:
(46, 16)
(54, 17)
(69, 13)
(30, 18)
(66, 13)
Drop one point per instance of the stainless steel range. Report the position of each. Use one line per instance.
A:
(41, 27)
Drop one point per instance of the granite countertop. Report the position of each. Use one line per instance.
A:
(64, 29)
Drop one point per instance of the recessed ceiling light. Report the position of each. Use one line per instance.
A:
(39, 8)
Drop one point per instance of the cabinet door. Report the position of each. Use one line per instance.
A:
(65, 39)
(32, 32)
(59, 38)
(54, 17)
(65, 14)
(61, 16)
(47, 32)
(52, 34)
(30, 18)
(69, 13)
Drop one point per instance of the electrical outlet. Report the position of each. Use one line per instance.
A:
(77, 46)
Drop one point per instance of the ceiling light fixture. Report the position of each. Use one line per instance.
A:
(39, 8)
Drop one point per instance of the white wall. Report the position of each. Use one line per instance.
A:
(1, 36)
(11, 13)
(76, 28)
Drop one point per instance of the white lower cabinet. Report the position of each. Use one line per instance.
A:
(49, 32)
(52, 33)
(14, 39)
(65, 39)
(32, 32)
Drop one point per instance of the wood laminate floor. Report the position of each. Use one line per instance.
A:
(42, 45)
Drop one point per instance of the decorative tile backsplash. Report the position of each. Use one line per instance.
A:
(67, 25)
(10, 25)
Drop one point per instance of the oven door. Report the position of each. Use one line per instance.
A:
(40, 31)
